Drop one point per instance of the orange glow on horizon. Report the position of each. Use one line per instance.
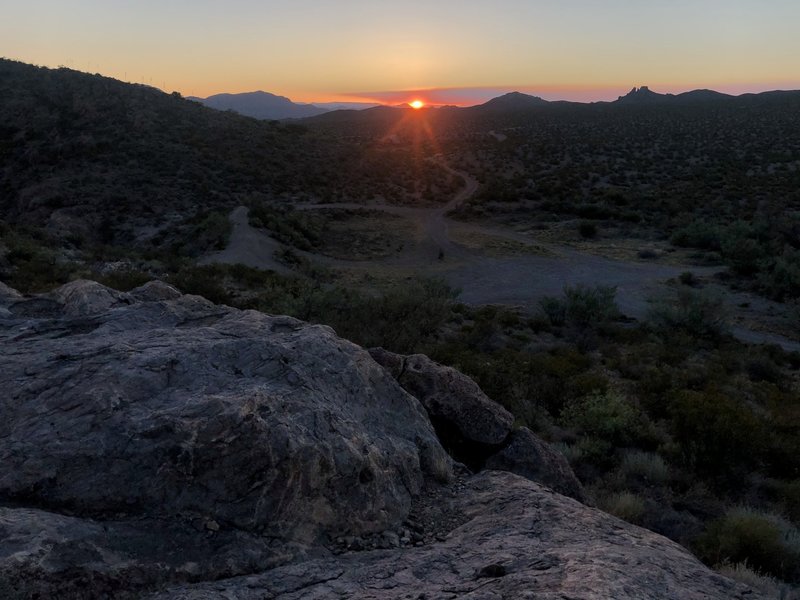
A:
(416, 104)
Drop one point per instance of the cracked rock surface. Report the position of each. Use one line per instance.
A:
(180, 411)
(155, 445)
(520, 540)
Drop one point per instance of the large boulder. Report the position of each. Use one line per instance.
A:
(469, 423)
(83, 297)
(154, 445)
(474, 428)
(519, 540)
(180, 408)
(532, 458)
(8, 294)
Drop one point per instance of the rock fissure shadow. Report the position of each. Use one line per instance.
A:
(474, 455)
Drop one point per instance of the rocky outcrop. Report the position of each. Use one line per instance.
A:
(528, 456)
(520, 540)
(7, 296)
(474, 428)
(184, 411)
(155, 445)
(469, 424)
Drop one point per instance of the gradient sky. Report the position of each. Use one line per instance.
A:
(454, 51)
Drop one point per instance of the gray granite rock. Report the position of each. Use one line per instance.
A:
(183, 410)
(521, 540)
(527, 455)
(156, 445)
(453, 400)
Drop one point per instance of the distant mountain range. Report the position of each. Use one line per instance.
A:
(263, 105)
(645, 95)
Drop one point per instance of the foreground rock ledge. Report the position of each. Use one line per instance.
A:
(522, 540)
(154, 441)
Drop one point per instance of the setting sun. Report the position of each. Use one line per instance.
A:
(416, 104)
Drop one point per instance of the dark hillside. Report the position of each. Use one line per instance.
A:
(81, 149)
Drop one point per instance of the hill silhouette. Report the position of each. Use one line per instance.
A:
(96, 157)
(261, 105)
(513, 101)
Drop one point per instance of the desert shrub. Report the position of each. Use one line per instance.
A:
(698, 234)
(765, 541)
(30, 265)
(782, 280)
(205, 281)
(554, 310)
(763, 368)
(687, 278)
(572, 452)
(718, 435)
(607, 416)
(624, 505)
(301, 229)
(647, 254)
(740, 248)
(789, 498)
(769, 586)
(590, 305)
(587, 229)
(645, 465)
(399, 318)
(585, 384)
(695, 312)
(213, 232)
(581, 306)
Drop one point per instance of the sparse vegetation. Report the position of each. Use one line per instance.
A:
(670, 423)
(766, 542)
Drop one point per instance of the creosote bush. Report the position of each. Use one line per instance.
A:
(625, 505)
(765, 541)
(645, 465)
(695, 312)
(581, 306)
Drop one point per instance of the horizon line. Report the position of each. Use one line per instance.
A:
(473, 95)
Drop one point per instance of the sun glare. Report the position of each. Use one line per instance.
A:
(416, 104)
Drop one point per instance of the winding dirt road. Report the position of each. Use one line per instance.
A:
(482, 279)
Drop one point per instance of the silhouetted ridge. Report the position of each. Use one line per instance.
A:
(262, 105)
(513, 101)
(643, 95)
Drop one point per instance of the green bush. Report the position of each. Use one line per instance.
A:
(607, 416)
(765, 541)
(769, 586)
(645, 465)
(202, 281)
(624, 505)
(590, 305)
(789, 498)
(695, 312)
(782, 280)
(718, 435)
(741, 249)
(554, 310)
(582, 306)
(698, 234)
(399, 318)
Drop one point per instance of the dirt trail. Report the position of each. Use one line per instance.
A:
(248, 246)
(515, 280)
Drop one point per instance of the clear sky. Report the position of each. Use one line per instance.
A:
(449, 51)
